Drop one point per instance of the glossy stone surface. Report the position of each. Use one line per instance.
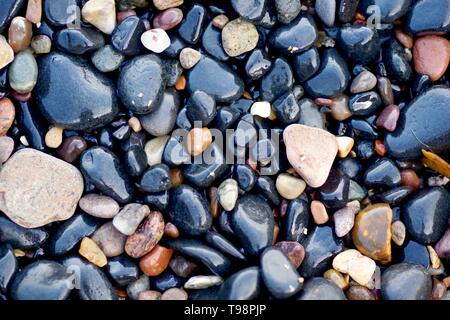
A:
(360, 44)
(253, 10)
(79, 41)
(102, 168)
(20, 237)
(389, 10)
(192, 25)
(334, 193)
(10, 9)
(73, 95)
(252, 222)
(306, 64)
(126, 36)
(372, 232)
(436, 21)
(321, 289)
(243, 285)
(411, 133)
(189, 211)
(397, 62)
(8, 266)
(123, 270)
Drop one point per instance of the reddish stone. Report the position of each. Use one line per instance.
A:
(388, 117)
(171, 230)
(168, 19)
(7, 115)
(410, 179)
(431, 56)
(156, 261)
(380, 148)
(404, 38)
(22, 97)
(323, 102)
(149, 295)
(122, 15)
(293, 250)
(283, 208)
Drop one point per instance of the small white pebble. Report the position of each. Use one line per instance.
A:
(54, 137)
(261, 108)
(156, 40)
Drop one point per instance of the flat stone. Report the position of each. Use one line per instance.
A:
(23, 72)
(110, 240)
(238, 37)
(431, 56)
(359, 267)
(99, 206)
(289, 187)
(311, 162)
(38, 189)
(101, 14)
(90, 250)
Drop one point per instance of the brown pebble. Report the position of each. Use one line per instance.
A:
(214, 204)
(410, 179)
(171, 230)
(122, 15)
(168, 19)
(53, 137)
(319, 212)
(385, 89)
(34, 11)
(404, 38)
(19, 34)
(380, 148)
(220, 21)
(174, 294)
(148, 234)
(293, 250)
(177, 177)
(358, 292)
(247, 95)
(7, 115)
(388, 117)
(156, 261)
(72, 148)
(150, 295)
(276, 232)
(181, 83)
(182, 267)
(431, 56)
(166, 4)
(198, 139)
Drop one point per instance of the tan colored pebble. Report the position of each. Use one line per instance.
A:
(198, 139)
(41, 44)
(166, 4)
(91, 251)
(262, 109)
(171, 230)
(99, 206)
(220, 21)
(110, 240)
(345, 145)
(154, 149)
(101, 14)
(34, 11)
(189, 58)
(54, 137)
(174, 294)
(19, 253)
(319, 212)
(239, 36)
(6, 52)
(289, 187)
(339, 108)
(19, 34)
(398, 233)
(135, 124)
(434, 258)
(359, 267)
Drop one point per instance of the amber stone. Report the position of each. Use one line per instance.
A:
(214, 202)
(380, 148)
(156, 261)
(198, 139)
(359, 293)
(7, 115)
(91, 251)
(177, 177)
(171, 230)
(181, 83)
(19, 34)
(72, 148)
(372, 232)
(410, 179)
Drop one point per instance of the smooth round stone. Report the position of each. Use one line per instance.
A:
(326, 10)
(123, 270)
(23, 72)
(141, 84)
(257, 65)
(243, 285)
(107, 59)
(357, 292)
(310, 114)
(286, 108)
(61, 13)
(287, 10)
(198, 140)
(168, 19)
(19, 34)
(101, 14)
(397, 62)
(306, 64)
(6, 148)
(149, 295)
(344, 220)
(72, 148)
(360, 44)
(238, 37)
(166, 281)
(385, 89)
(126, 36)
(388, 118)
(99, 206)
(332, 77)
(93, 283)
(188, 210)
(7, 115)
(216, 79)
(372, 232)
(181, 266)
(19, 237)
(398, 232)
(212, 259)
(8, 266)
(295, 221)
(321, 289)
(156, 261)
(202, 282)
(154, 149)
(219, 242)
(435, 21)
(245, 177)
(431, 56)
(103, 169)
(279, 275)
(110, 240)
(426, 214)
(253, 10)
(411, 134)
(339, 108)
(363, 82)
(79, 41)
(91, 252)
(228, 194)
(364, 104)
(6, 52)
(295, 37)
(46, 190)
(252, 222)
(382, 173)
(289, 187)
(389, 10)
(189, 58)
(147, 235)
(174, 294)
(201, 107)
(353, 263)
(163, 4)
(142, 284)
(156, 40)
(42, 280)
(156, 179)
(69, 233)
(129, 218)
(406, 281)
(73, 95)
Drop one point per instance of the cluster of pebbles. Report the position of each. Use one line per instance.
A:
(117, 118)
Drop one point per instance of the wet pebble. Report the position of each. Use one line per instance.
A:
(110, 240)
(107, 59)
(321, 289)
(129, 218)
(156, 261)
(123, 270)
